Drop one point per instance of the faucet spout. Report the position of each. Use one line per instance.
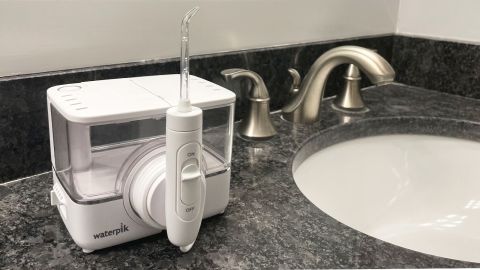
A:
(305, 107)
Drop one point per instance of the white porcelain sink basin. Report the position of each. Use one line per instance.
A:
(419, 192)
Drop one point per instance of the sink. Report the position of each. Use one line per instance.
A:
(411, 182)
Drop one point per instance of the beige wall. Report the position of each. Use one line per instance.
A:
(456, 20)
(46, 35)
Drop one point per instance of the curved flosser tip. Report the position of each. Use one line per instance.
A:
(189, 15)
(184, 105)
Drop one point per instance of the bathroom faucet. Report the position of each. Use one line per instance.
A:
(305, 106)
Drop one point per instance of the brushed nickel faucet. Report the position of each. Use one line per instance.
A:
(257, 124)
(305, 106)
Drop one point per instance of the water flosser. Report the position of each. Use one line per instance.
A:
(185, 179)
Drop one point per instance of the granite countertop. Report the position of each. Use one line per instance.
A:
(268, 222)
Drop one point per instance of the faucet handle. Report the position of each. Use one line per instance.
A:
(350, 99)
(257, 125)
(297, 80)
(230, 73)
(259, 89)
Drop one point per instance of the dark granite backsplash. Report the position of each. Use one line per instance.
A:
(24, 143)
(448, 67)
(445, 66)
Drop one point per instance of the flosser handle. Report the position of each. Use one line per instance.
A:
(185, 179)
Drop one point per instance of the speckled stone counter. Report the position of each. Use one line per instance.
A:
(268, 223)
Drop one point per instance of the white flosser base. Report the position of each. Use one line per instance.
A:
(106, 224)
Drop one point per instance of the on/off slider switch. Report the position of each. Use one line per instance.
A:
(190, 182)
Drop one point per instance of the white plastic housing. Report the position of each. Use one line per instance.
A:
(108, 153)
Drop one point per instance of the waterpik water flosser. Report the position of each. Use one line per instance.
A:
(132, 158)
